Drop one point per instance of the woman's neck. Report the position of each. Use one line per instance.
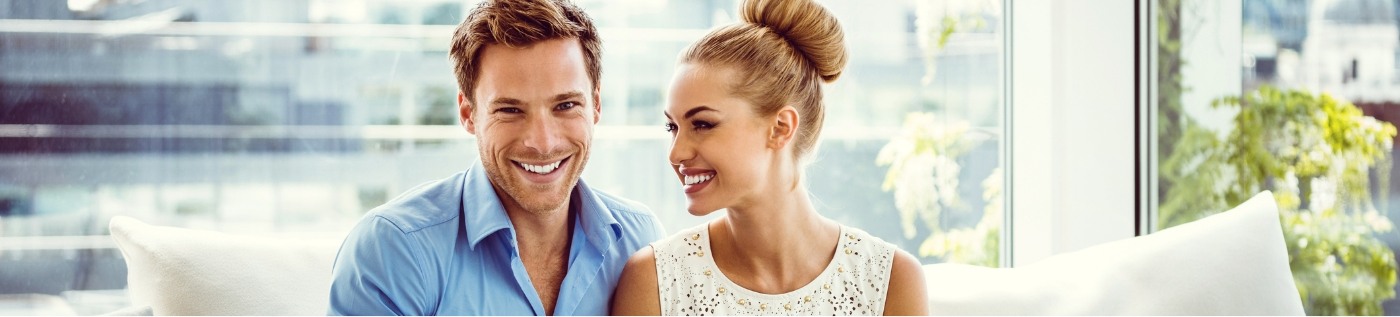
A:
(774, 245)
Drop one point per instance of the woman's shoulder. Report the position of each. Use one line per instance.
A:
(885, 271)
(686, 240)
(855, 241)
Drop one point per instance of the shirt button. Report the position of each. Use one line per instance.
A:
(721, 290)
(707, 272)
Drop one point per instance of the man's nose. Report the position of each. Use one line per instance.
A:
(542, 134)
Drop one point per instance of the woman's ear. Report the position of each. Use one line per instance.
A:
(785, 124)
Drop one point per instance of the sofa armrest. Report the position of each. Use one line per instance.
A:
(178, 271)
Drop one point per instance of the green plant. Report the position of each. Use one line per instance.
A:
(1316, 153)
(924, 172)
(924, 176)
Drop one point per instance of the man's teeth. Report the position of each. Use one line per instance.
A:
(692, 180)
(540, 169)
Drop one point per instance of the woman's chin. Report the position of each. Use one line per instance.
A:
(700, 211)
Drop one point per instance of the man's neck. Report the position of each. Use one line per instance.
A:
(537, 230)
(543, 238)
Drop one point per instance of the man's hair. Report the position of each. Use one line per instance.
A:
(521, 23)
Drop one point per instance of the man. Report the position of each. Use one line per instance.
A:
(518, 233)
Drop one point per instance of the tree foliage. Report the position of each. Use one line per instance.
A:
(924, 175)
(1316, 153)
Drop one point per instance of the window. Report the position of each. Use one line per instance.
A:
(299, 116)
(1298, 97)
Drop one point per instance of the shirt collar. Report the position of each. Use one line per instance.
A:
(599, 225)
(483, 213)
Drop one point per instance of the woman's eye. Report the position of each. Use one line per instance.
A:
(703, 125)
(670, 127)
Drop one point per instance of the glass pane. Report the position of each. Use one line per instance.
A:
(288, 116)
(1297, 97)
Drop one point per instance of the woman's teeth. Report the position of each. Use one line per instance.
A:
(696, 179)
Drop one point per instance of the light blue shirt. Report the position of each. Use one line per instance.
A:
(447, 248)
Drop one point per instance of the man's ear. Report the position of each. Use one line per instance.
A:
(464, 113)
(597, 104)
(785, 124)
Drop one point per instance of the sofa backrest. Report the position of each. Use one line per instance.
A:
(1233, 263)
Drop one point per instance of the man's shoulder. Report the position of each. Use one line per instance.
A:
(624, 207)
(636, 220)
(428, 205)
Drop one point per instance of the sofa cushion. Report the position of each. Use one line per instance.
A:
(1232, 263)
(195, 272)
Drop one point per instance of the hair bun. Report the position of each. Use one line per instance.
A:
(807, 26)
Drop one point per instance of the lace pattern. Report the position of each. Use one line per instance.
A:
(854, 283)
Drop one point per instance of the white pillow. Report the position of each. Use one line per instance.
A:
(1232, 263)
(179, 271)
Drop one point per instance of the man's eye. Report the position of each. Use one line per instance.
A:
(566, 106)
(511, 110)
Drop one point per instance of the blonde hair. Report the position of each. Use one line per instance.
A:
(521, 23)
(785, 50)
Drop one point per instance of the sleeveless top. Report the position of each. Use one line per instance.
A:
(854, 283)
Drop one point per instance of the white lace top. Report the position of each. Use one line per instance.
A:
(854, 283)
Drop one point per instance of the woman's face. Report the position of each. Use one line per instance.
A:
(719, 145)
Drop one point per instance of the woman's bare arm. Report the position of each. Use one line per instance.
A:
(908, 294)
(637, 293)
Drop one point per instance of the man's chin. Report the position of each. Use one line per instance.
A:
(544, 206)
(543, 198)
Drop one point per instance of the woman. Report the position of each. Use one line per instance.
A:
(745, 110)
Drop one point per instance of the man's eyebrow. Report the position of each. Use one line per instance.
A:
(568, 95)
(508, 101)
(557, 98)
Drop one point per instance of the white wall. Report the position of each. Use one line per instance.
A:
(1072, 126)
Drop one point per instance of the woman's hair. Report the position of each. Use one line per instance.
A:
(783, 50)
(521, 23)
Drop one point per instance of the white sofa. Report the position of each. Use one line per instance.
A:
(1233, 263)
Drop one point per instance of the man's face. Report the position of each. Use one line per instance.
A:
(533, 117)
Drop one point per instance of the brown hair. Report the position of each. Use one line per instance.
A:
(521, 23)
(785, 49)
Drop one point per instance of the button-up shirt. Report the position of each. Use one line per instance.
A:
(447, 248)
